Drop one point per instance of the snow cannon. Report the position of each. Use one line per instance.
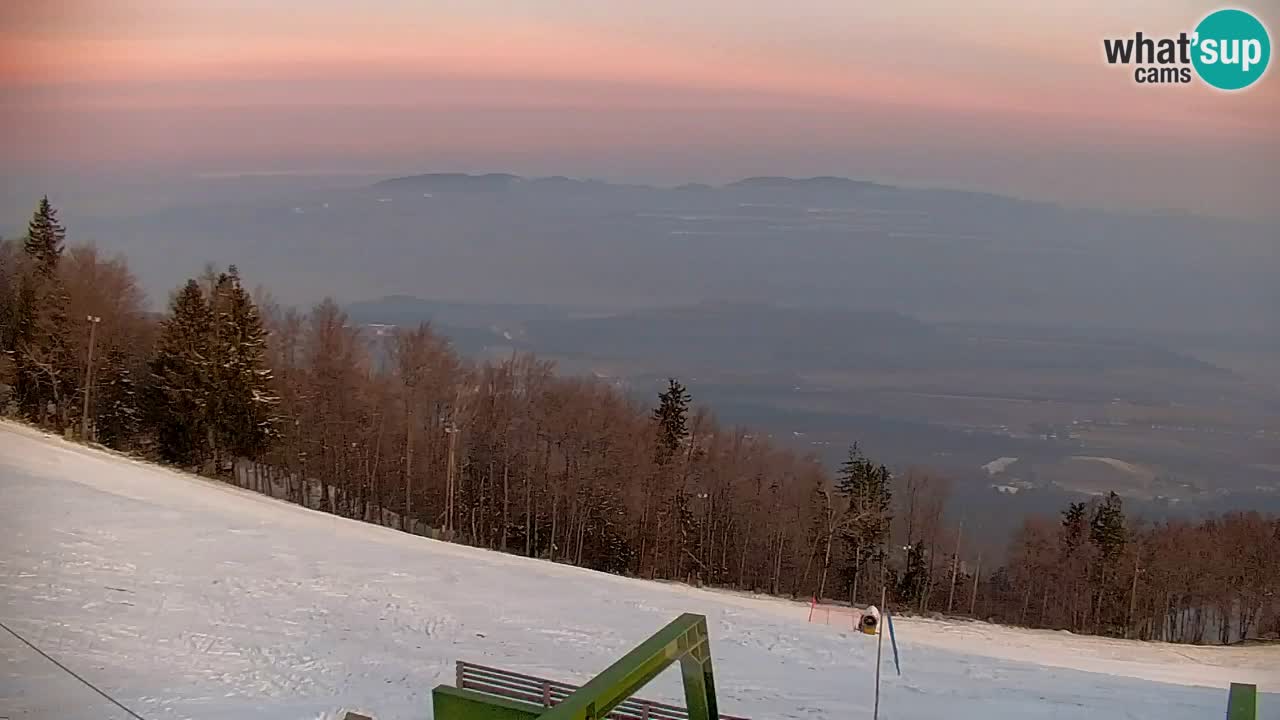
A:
(870, 622)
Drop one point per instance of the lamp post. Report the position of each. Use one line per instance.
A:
(88, 375)
(452, 431)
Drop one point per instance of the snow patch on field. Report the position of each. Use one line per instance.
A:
(1120, 465)
(188, 598)
(999, 465)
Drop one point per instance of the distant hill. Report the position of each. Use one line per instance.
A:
(451, 182)
(938, 255)
(409, 310)
(825, 184)
(766, 338)
(951, 396)
(746, 336)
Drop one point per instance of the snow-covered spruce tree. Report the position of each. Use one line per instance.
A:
(44, 369)
(245, 407)
(118, 406)
(10, 264)
(47, 361)
(179, 394)
(45, 238)
(866, 487)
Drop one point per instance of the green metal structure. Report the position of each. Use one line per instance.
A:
(684, 640)
(1242, 702)
(450, 703)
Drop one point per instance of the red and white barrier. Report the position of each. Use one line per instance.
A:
(841, 615)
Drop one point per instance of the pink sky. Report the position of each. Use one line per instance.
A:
(996, 95)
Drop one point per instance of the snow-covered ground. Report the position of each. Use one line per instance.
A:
(186, 598)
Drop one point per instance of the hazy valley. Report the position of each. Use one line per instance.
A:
(1089, 350)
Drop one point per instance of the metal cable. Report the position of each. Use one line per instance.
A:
(72, 673)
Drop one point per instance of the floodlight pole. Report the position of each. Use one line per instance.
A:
(88, 376)
(884, 596)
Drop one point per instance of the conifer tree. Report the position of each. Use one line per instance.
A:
(1073, 561)
(180, 394)
(1072, 527)
(11, 255)
(244, 406)
(118, 411)
(665, 494)
(44, 369)
(1108, 537)
(915, 575)
(672, 417)
(23, 322)
(1106, 528)
(45, 237)
(865, 485)
(51, 354)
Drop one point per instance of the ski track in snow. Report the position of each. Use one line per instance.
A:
(188, 598)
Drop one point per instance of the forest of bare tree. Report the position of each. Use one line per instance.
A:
(511, 455)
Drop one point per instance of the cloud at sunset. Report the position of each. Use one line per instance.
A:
(536, 79)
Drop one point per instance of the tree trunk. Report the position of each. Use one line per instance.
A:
(528, 514)
(808, 565)
(826, 565)
(555, 518)
(506, 500)
(977, 573)
(857, 575)
(1026, 600)
(488, 509)
(928, 590)
(657, 535)
(536, 511)
(777, 566)
(1133, 596)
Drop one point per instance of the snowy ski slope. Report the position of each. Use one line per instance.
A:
(186, 598)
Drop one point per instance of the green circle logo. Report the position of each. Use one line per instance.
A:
(1232, 49)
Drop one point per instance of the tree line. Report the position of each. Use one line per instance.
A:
(512, 456)
(1096, 571)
